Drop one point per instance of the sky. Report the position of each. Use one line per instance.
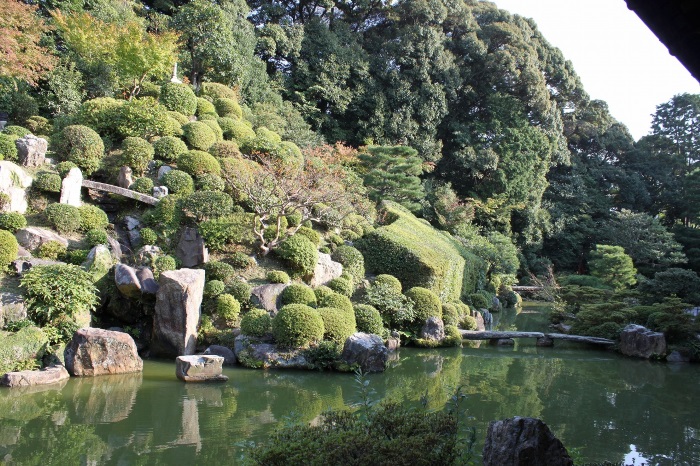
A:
(618, 59)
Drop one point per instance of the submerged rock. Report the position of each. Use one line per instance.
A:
(94, 351)
(200, 368)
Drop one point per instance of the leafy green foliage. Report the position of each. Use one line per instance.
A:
(227, 308)
(228, 108)
(241, 291)
(169, 148)
(163, 264)
(196, 162)
(142, 185)
(136, 153)
(64, 167)
(97, 236)
(338, 301)
(298, 293)
(220, 232)
(63, 217)
(148, 236)
(8, 248)
(297, 325)
(468, 322)
(341, 286)
(12, 221)
(217, 270)
(51, 250)
(205, 205)
(92, 217)
(338, 324)
(29, 343)
(225, 149)
(683, 283)
(198, 135)
(178, 182)
(425, 304)
(8, 149)
(82, 146)
(396, 309)
(368, 319)
(613, 266)
(48, 182)
(300, 252)
(256, 323)
(352, 260)
(210, 182)
(278, 276)
(389, 281)
(178, 98)
(214, 288)
(479, 301)
(204, 107)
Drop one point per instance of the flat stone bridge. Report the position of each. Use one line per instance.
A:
(541, 337)
(110, 188)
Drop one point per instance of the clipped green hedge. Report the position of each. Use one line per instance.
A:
(204, 107)
(337, 300)
(300, 252)
(28, 343)
(342, 286)
(178, 182)
(142, 185)
(82, 146)
(198, 135)
(178, 98)
(298, 293)
(256, 323)
(217, 270)
(8, 148)
(425, 304)
(228, 108)
(352, 260)
(12, 221)
(92, 217)
(368, 319)
(47, 182)
(297, 325)
(63, 217)
(197, 162)
(206, 205)
(278, 276)
(225, 150)
(137, 152)
(419, 255)
(338, 324)
(218, 91)
(169, 148)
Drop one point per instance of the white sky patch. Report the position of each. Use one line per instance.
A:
(618, 59)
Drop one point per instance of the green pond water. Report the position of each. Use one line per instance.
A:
(608, 407)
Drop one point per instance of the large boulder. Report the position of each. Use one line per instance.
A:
(200, 368)
(367, 351)
(12, 308)
(255, 353)
(641, 342)
(51, 374)
(71, 186)
(149, 285)
(326, 270)
(523, 441)
(27, 343)
(223, 351)
(126, 280)
(177, 312)
(94, 351)
(133, 228)
(433, 329)
(267, 296)
(98, 262)
(33, 237)
(31, 150)
(14, 182)
(191, 249)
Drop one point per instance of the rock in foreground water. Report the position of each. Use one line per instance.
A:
(200, 368)
(94, 351)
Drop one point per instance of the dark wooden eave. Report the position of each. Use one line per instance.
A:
(677, 25)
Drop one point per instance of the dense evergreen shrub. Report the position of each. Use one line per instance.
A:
(204, 107)
(167, 214)
(144, 118)
(228, 108)
(143, 185)
(169, 148)
(256, 323)
(240, 132)
(338, 324)
(63, 217)
(205, 205)
(214, 288)
(300, 252)
(148, 236)
(179, 117)
(51, 250)
(198, 135)
(396, 309)
(97, 236)
(227, 308)
(336, 240)
(338, 301)
(100, 114)
(468, 322)
(352, 261)
(274, 276)
(218, 91)
(16, 130)
(163, 264)
(241, 291)
(225, 149)
(38, 125)
(453, 337)
(450, 315)
(48, 182)
(136, 153)
(479, 301)
(211, 123)
(342, 286)
(349, 235)
(8, 248)
(178, 98)
(310, 233)
(8, 148)
(12, 221)
(389, 281)
(297, 325)
(220, 232)
(240, 260)
(217, 270)
(322, 291)
(294, 219)
(92, 217)
(82, 146)
(298, 293)
(271, 232)
(368, 319)
(178, 182)
(64, 167)
(210, 182)
(196, 163)
(425, 304)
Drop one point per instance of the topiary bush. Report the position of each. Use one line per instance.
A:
(276, 276)
(338, 301)
(198, 135)
(294, 219)
(396, 309)
(16, 130)
(321, 292)
(425, 304)
(64, 167)
(142, 185)
(217, 270)
(297, 326)
(221, 232)
(298, 293)
(256, 323)
(8, 149)
(225, 149)
(205, 205)
(310, 233)
(368, 319)
(47, 182)
(169, 148)
(453, 337)
(211, 123)
(214, 288)
(204, 107)
(342, 286)
(148, 236)
(300, 252)
(241, 260)
(92, 217)
(63, 217)
(228, 108)
(12, 221)
(479, 301)
(239, 132)
(96, 236)
(210, 182)
(241, 291)
(8, 248)
(163, 264)
(218, 91)
(38, 125)
(136, 153)
(82, 146)
(178, 98)
(227, 308)
(338, 324)
(352, 261)
(388, 281)
(178, 182)
(51, 250)
(468, 322)
(144, 118)
(450, 315)
(197, 163)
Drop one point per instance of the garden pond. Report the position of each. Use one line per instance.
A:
(605, 406)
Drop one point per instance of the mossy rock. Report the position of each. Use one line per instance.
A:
(28, 343)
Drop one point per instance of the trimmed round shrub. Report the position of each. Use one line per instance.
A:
(321, 292)
(225, 150)
(300, 252)
(64, 167)
(298, 293)
(82, 146)
(142, 185)
(425, 304)
(450, 315)
(51, 250)
(211, 122)
(240, 290)
(310, 233)
(198, 135)
(352, 260)
(16, 130)
(149, 89)
(256, 323)
(197, 162)
(179, 117)
(205, 205)
(100, 114)
(137, 152)
(218, 91)
(349, 235)
(63, 217)
(92, 217)
(342, 286)
(336, 239)
(148, 236)
(453, 337)
(204, 107)
(48, 182)
(278, 276)
(178, 182)
(217, 270)
(8, 149)
(368, 319)
(338, 325)
(479, 301)
(241, 260)
(294, 219)
(8, 248)
(338, 301)
(228, 108)
(213, 288)
(297, 326)
(12, 221)
(325, 250)
(240, 132)
(169, 148)
(38, 125)
(227, 307)
(163, 264)
(178, 98)
(96, 236)
(468, 322)
(210, 182)
(388, 281)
